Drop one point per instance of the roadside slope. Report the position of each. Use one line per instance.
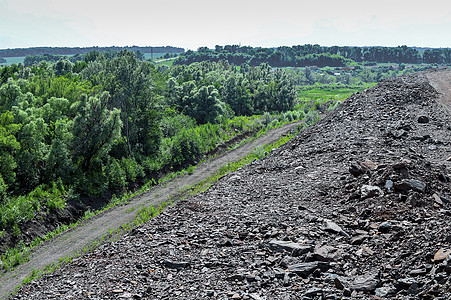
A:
(74, 240)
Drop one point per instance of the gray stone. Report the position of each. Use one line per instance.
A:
(294, 248)
(324, 253)
(405, 283)
(389, 186)
(358, 240)
(411, 184)
(289, 260)
(334, 227)
(413, 289)
(385, 291)
(437, 200)
(418, 272)
(175, 264)
(313, 292)
(255, 296)
(365, 283)
(305, 269)
(340, 283)
(423, 119)
(369, 191)
(356, 169)
(234, 179)
(237, 277)
(384, 227)
(398, 133)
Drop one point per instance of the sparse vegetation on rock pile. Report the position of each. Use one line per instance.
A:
(357, 206)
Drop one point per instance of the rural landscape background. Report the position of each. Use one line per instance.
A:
(86, 125)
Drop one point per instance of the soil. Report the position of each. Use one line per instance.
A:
(74, 240)
(355, 207)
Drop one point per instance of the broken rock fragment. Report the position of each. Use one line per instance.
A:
(369, 191)
(294, 248)
(411, 184)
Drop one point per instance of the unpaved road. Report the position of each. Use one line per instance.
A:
(441, 81)
(74, 240)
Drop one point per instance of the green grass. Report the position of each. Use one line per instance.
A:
(165, 62)
(326, 93)
(314, 96)
(154, 55)
(19, 209)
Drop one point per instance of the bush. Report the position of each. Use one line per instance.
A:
(132, 169)
(186, 147)
(190, 170)
(266, 118)
(117, 178)
(273, 124)
(311, 118)
(3, 188)
(16, 210)
(56, 199)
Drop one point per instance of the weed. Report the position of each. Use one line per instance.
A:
(16, 230)
(190, 170)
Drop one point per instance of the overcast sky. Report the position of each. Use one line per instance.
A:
(194, 23)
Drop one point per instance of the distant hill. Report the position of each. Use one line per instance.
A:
(78, 50)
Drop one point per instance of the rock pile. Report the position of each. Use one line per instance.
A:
(355, 207)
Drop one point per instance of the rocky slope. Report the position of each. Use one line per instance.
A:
(356, 207)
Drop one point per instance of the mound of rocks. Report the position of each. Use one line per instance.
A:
(355, 207)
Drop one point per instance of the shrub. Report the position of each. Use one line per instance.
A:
(117, 178)
(15, 210)
(190, 170)
(186, 147)
(132, 169)
(3, 188)
(266, 118)
(56, 199)
(273, 123)
(311, 118)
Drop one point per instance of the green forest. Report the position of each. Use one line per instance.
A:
(316, 55)
(81, 131)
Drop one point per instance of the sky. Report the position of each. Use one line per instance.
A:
(196, 23)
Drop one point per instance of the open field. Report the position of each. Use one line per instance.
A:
(328, 93)
(13, 60)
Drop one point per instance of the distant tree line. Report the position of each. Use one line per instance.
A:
(315, 55)
(30, 60)
(79, 50)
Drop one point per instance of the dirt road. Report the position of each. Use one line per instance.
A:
(441, 81)
(74, 240)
